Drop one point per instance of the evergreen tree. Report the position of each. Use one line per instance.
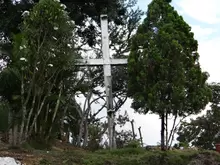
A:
(164, 71)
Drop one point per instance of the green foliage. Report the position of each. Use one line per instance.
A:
(181, 144)
(43, 56)
(44, 162)
(38, 144)
(10, 79)
(123, 137)
(163, 66)
(4, 112)
(95, 135)
(133, 144)
(164, 72)
(203, 132)
(122, 151)
(141, 157)
(43, 38)
(11, 17)
(131, 156)
(27, 147)
(47, 35)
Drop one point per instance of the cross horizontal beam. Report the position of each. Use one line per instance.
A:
(106, 62)
(99, 62)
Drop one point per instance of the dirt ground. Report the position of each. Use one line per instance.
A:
(33, 157)
(204, 159)
(24, 158)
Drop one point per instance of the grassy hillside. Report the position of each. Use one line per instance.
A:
(126, 156)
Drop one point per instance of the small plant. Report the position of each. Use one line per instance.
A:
(133, 144)
(44, 162)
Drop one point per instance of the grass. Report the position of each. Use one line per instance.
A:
(125, 156)
(136, 156)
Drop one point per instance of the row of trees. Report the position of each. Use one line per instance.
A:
(39, 82)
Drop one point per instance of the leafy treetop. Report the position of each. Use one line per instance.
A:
(163, 66)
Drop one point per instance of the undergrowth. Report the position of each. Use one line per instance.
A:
(126, 156)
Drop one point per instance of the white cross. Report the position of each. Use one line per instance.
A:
(106, 61)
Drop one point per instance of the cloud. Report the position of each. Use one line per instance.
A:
(201, 10)
(209, 57)
(202, 33)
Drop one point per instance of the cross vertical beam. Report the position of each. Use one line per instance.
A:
(107, 78)
(106, 62)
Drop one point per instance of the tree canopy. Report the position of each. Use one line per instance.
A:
(41, 61)
(165, 76)
(79, 11)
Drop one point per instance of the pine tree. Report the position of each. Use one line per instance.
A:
(164, 71)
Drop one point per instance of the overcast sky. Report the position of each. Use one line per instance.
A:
(204, 18)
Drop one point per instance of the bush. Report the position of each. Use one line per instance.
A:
(139, 156)
(133, 144)
(44, 162)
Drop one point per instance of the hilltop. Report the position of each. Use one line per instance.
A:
(69, 155)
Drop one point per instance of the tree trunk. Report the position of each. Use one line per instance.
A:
(132, 126)
(162, 132)
(67, 136)
(141, 138)
(172, 132)
(11, 124)
(84, 117)
(23, 110)
(55, 112)
(80, 132)
(166, 128)
(86, 130)
(114, 137)
(86, 133)
(29, 117)
(36, 115)
(15, 135)
(45, 120)
(62, 123)
(24, 102)
(10, 136)
(35, 128)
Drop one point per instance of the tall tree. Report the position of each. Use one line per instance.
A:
(42, 60)
(164, 71)
(204, 131)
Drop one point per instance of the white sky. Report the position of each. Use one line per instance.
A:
(204, 18)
